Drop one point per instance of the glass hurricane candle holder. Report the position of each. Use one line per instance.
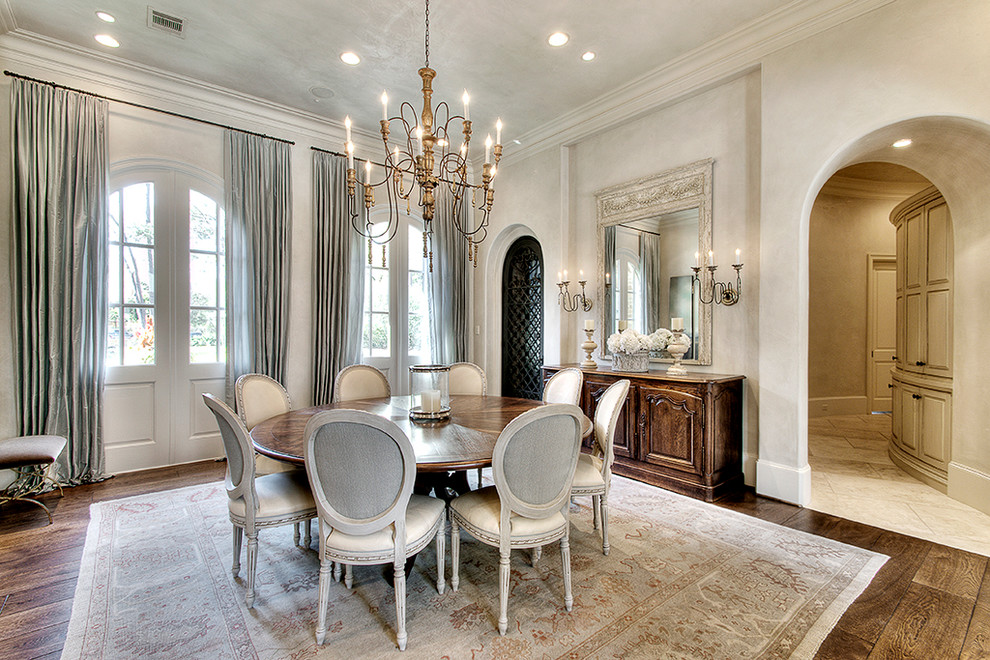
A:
(429, 389)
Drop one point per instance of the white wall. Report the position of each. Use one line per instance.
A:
(552, 191)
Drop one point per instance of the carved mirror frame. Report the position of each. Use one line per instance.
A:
(676, 189)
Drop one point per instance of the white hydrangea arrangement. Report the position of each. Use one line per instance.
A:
(629, 341)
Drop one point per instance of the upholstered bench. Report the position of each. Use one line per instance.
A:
(30, 456)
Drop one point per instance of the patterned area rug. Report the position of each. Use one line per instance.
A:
(684, 579)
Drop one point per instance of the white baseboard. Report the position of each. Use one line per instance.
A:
(784, 482)
(970, 487)
(838, 405)
(749, 469)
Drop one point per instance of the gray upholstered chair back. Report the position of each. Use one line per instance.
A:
(564, 387)
(467, 378)
(259, 397)
(360, 381)
(534, 460)
(361, 469)
(239, 450)
(606, 418)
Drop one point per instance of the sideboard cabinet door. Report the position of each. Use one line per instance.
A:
(671, 428)
(625, 430)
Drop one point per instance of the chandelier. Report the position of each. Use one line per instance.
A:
(420, 164)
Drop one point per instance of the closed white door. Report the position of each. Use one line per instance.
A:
(881, 330)
(165, 343)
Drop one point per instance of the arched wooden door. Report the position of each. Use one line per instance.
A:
(522, 320)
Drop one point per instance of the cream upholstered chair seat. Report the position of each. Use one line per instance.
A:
(422, 516)
(588, 474)
(279, 494)
(479, 512)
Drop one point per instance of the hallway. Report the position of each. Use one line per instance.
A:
(852, 477)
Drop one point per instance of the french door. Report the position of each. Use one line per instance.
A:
(396, 331)
(166, 317)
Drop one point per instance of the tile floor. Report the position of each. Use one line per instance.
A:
(852, 477)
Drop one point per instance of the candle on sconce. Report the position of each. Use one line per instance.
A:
(677, 324)
(589, 324)
(560, 278)
(580, 275)
(384, 106)
(711, 258)
(608, 278)
(738, 256)
(466, 100)
(350, 155)
(565, 276)
(697, 259)
(488, 149)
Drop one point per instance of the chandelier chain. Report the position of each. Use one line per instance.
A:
(427, 34)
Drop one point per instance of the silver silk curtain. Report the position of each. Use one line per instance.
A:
(338, 277)
(448, 283)
(59, 269)
(649, 252)
(258, 208)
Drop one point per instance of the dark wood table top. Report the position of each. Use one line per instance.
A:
(466, 441)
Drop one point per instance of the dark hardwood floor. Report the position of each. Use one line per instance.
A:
(927, 602)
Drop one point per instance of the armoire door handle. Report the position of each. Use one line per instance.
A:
(915, 396)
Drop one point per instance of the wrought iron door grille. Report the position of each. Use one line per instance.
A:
(522, 320)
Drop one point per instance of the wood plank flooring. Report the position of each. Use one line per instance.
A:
(928, 602)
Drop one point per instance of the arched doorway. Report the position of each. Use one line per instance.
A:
(522, 319)
(952, 153)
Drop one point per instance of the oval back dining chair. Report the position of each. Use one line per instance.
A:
(467, 378)
(259, 397)
(254, 502)
(362, 468)
(360, 381)
(533, 466)
(593, 475)
(564, 387)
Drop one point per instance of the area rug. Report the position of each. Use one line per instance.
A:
(684, 579)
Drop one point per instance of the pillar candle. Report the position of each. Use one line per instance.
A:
(589, 324)
(677, 323)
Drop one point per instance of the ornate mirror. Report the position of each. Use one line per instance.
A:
(649, 233)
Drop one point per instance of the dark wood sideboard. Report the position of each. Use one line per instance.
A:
(682, 433)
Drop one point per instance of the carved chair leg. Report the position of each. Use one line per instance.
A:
(441, 559)
(565, 559)
(326, 575)
(295, 534)
(604, 507)
(455, 553)
(307, 533)
(348, 576)
(238, 539)
(596, 509)
(537, 552)
(252, 565)
(399, 582)
(338, 571)
(503, 592)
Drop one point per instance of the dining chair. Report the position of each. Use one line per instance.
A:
(360, 381)
(593, 475)
(255, 503)
(361, 469)
(564, 387)
(532, 466)
(467, 378)
(259, 397)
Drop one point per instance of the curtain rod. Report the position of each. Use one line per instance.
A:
(337, 153)
(143, 107)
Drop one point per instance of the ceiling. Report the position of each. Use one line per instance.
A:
(497, 49)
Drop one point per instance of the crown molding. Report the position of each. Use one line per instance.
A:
(734, 54)
(50, 59)
(844, 186)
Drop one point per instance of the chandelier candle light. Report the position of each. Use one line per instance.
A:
(425, 160)
(720, 293)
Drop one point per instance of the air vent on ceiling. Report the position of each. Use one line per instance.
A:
(165, 22)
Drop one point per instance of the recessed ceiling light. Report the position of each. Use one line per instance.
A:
(557, 39)
(350, 58)
(587, 57)
(103, 16)
(321, 92)
(516, 142)
(107, 40)
(904, 142)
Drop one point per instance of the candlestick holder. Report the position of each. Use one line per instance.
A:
(588, 347)
(679, 344)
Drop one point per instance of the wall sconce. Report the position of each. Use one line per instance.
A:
(720, 293)
(571, 303)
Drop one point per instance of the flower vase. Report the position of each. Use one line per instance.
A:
(633, 362)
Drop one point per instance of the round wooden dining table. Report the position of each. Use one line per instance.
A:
(465, 441)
